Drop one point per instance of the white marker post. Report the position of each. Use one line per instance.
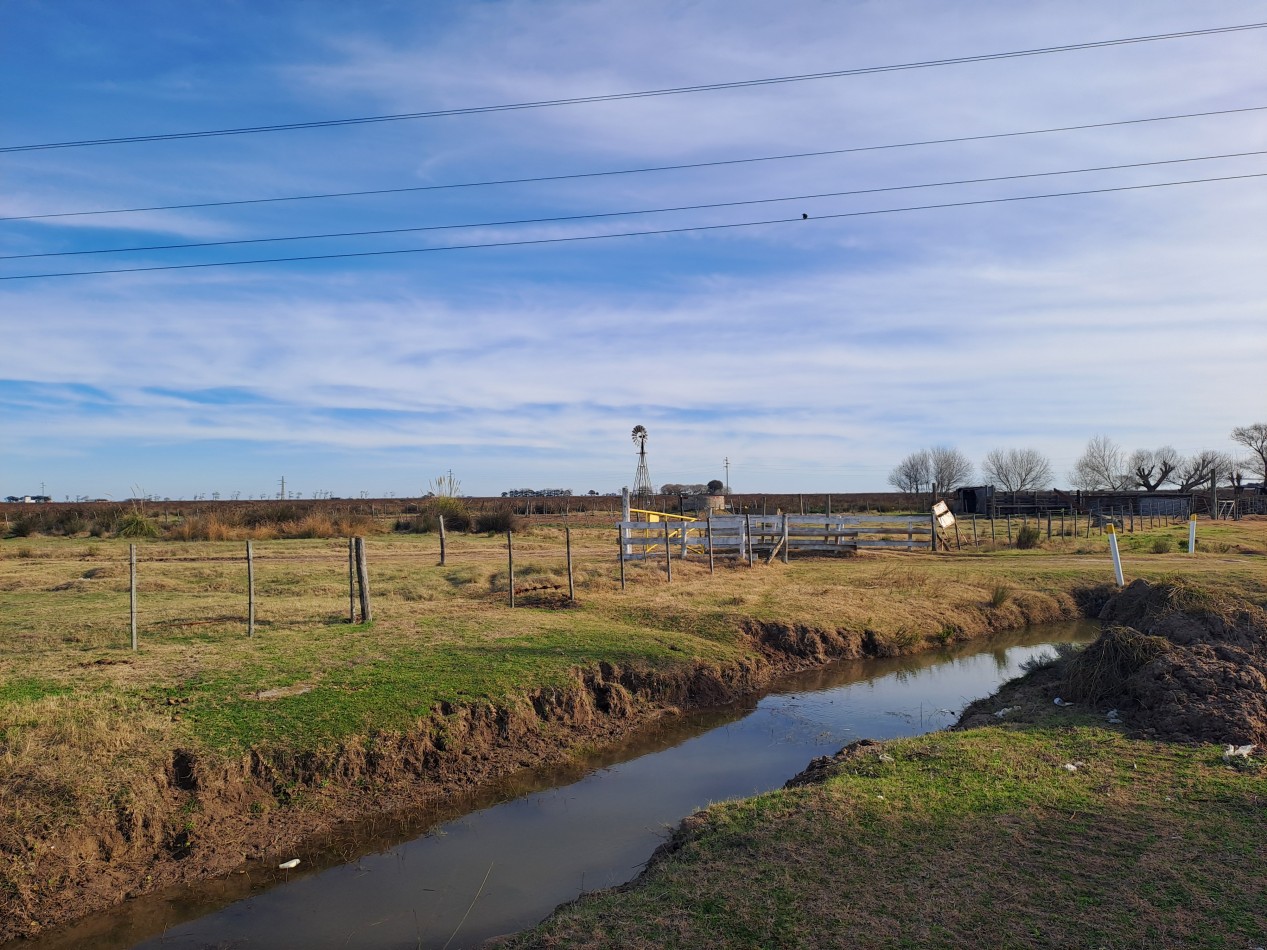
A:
(1192, 533)
(1117, 557)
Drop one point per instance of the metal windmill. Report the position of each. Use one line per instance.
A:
(642, 481)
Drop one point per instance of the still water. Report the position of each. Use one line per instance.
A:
(501, 860)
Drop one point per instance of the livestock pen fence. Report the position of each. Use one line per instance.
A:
(749, 537)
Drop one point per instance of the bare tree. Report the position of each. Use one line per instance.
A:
(950, 468)
(1196, 470)
(1254, 438)
(1018, 469)
(1153, 468)
(913, 472)
(1102, 467)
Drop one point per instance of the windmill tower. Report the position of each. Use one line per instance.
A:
(642, 481)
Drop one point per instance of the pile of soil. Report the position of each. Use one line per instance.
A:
(1204, 678)
(1176, 663)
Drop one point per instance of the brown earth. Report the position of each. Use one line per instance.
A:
(1175, 663)
(261, 806)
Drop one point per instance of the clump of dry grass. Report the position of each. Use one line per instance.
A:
(314, 524)
(1101, 670)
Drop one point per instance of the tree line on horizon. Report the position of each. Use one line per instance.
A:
(1103, 466)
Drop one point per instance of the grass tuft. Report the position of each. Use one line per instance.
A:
(1102, 669)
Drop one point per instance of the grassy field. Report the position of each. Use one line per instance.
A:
(83, 718)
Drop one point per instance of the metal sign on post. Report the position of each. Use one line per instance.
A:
(945, 517)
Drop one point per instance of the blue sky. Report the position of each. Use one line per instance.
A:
(813, 354)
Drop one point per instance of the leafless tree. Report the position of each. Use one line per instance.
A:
(1254, 438)
(913, 472)
(950, 468)
(1153, 468)
(1018, 469)
(1196, 470)
(1102, 467)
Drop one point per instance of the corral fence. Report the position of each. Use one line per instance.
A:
(751, 537)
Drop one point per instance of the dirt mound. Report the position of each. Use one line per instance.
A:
(825, 766)
(1180, 664)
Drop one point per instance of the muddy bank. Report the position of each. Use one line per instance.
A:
(201, 815)
(1174, 662)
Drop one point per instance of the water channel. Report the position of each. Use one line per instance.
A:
(500, 860)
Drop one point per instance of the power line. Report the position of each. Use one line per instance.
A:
(631, 171)
(642, 94)
(623, 234)
(558, 219)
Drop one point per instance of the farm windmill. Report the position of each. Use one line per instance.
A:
(642, 480)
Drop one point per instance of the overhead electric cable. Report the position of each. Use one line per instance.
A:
(557, 219)
(631, 171)
(642, 94)
(524, 242)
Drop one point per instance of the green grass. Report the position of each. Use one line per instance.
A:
(972, 839)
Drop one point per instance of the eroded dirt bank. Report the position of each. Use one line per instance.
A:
(1173, 662)
(203, 815)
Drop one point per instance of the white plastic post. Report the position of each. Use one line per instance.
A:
(1192, 533)
(1117, 557)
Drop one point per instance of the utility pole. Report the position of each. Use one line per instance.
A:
(726, 463)
(282, 496)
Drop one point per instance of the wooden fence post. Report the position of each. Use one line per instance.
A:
(567, 540)
(442, 540)
(510, 566)
(250, 590)
(668, 553)
(708, 528)
(786, 541)
(363, 581)
(132, 590)
(620, 540)
(747, 530)
(351, 580)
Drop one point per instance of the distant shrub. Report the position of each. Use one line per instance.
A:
(71, 522)
(1161, 545)
(453, 510)
(496, 522)
(136, 524)
(1028, 536)
(22, 527)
